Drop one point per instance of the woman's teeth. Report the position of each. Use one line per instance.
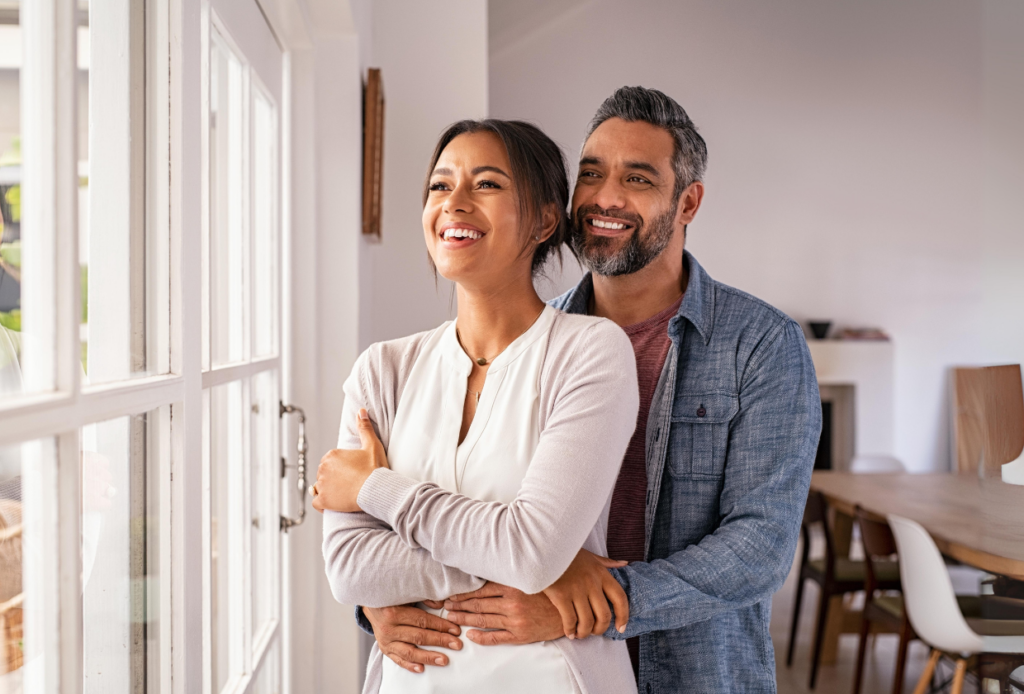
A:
(607, 225)
(461, 234)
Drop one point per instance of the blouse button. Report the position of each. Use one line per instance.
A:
(701, 411)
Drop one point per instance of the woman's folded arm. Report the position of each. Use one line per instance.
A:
(367, 563)
(530, 542)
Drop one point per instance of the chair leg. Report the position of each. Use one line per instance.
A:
(958, 677)
(926, 676)
(865, 628)
(796, 620)
(901, 658)
(819, 635)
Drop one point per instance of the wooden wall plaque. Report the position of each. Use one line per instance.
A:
(373, 151)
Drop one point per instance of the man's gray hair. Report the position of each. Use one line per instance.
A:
(632, 104)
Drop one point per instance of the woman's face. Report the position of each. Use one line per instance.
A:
(471, 220)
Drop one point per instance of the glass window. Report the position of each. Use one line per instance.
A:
(120, 552)
(123, 266)
(23, 568)
(265, 226)
(26, 312)
(228, 257)
(266, 483)
(225, 447)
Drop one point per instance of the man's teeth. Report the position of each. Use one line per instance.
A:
(607, 225)
(461, 234)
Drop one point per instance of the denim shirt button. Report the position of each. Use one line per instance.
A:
(648, 688)
(701, 411)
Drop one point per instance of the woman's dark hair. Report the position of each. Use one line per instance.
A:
(538, 173)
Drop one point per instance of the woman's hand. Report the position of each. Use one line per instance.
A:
(341, 473)
(582, 595)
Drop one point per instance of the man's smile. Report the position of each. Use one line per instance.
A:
(607, 226)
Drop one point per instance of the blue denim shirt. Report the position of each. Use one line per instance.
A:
(731, 440)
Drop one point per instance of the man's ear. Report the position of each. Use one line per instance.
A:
(688, 203)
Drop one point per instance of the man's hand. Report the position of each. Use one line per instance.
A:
(582, 595)
(575, 606)
(517, 617)
(401, 630)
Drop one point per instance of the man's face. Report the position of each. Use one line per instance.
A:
(623, 207)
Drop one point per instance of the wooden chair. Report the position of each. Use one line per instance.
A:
(834, 576)
(988, 417)
(884, 612)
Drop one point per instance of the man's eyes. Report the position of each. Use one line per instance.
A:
(638, 179)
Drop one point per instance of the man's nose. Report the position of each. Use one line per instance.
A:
(609, 195)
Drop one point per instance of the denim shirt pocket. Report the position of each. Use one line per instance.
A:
(700, 434)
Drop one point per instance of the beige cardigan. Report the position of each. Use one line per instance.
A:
(417, 541)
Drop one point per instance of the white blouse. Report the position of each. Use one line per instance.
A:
(489, 465)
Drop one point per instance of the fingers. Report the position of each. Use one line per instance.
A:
(492, 638)
(413, 637)
(610, 563)
(318, 503)
(488, 590)
(566, 611)
(584, 617)
(412, 658)
(434, 604)
(484, 605)
(602, 613)
(620, 603)
(479, 621)
(405, 664)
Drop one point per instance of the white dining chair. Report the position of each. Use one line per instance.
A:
(935, 615)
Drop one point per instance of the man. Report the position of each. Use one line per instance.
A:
(708, 503)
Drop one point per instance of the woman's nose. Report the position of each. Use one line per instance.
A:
(459, 200)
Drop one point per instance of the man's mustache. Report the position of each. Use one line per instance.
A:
(631, 218)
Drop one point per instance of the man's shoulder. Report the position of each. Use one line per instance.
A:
(740, 313)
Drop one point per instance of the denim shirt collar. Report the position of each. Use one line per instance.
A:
(698, 305)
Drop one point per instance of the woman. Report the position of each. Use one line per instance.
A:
(503, 430)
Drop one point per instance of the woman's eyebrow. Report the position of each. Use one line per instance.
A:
(441, 172)
(492, 169)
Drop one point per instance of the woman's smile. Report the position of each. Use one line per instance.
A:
(456, 235)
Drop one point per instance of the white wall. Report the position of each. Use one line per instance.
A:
(846, 174)
(433, 58)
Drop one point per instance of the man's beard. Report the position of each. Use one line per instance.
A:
(597, 252)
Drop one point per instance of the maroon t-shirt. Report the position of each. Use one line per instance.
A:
(629, 500)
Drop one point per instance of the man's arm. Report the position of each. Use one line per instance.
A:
(772, 445)
(767, 474)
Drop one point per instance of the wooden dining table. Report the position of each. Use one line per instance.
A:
(979, 522)
(976, 521)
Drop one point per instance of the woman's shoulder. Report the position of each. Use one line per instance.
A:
(577, 338)
(582, 330)
(387, 363)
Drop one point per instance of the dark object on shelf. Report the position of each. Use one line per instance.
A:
(866, 334)
(819, 328)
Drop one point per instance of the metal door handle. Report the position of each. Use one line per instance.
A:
(300, 466)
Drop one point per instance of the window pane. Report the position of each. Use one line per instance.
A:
(265, 225)
(26, 289)
(268, 679)
(122, 263)
(226, 450)
(120, 549)
(228, 257)
(266, 484)
(23, 564)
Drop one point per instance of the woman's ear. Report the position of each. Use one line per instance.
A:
(548, 223)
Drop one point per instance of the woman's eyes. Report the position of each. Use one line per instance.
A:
(482, 184)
